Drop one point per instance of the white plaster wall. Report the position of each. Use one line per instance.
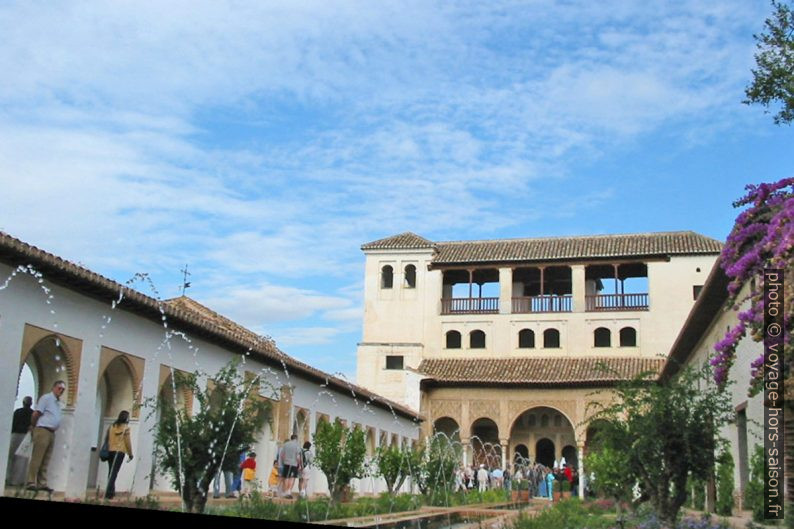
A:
(747, 351)
(23, 302)
(416, 329)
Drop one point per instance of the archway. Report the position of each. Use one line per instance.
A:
(544, 450)
(521, 456)
(49, 360)
(571, 459)
(448, 427)
(542, 422)
(116, 392)
(485, 443)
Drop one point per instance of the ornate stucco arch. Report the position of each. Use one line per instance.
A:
(56, 357)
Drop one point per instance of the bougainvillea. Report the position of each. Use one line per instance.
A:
(763, 237)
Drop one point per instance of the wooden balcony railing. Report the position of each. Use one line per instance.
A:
(546, 303)
(615, 302)
(469, 305)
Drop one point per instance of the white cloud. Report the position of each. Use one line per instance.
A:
(264, 142)
(258, 306)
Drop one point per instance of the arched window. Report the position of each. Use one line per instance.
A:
(557, 420)
(476, 340)
(526, 339)
(551, 338)
(602, 337)
(453, 340)
(410, 276)
(628, 337)
(386, 276)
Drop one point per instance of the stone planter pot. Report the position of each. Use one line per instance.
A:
(519, 495)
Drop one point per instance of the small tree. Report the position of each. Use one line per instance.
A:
(725, 483)
(191, 448)
(666, 429)
(609, 466)
(773, 80)
(339, 453)
(439, 459)
(754, 490)
(396, 464)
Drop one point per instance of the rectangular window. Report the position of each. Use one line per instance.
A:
(394, 362)
(696, 291)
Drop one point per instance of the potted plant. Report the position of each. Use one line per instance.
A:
(520, 490)
(556, 490)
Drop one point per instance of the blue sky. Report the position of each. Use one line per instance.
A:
(263, 142)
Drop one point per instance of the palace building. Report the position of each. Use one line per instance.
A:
(502, 343)
(117, 348)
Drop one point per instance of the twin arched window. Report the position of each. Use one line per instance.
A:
(602, 337)
(387, 276)
(476, 340)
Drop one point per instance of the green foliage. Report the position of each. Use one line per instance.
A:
(445, 498)
(609, 465)
(566, 514)
(566, 485)
(436, 474)
(725, 484)
(191, 448)
(696, 488)
(395, 464)
(754, 491)
(666, 430)
(339, 453)
(262, 507)
(773, 79)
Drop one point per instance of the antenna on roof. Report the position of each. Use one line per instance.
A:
(185, 282)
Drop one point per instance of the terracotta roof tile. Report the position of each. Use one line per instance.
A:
(558, 248)
(182, 313)
(558, 371)
(402, 241)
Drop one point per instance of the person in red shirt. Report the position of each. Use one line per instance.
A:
(249, 473)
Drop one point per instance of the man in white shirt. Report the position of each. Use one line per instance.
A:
(43, 424)
(482, 478)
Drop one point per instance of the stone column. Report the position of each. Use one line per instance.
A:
(145, 450)
(10, 343)
(578, 288)
(505, 290)
(557, 447)
(314, 470)
(83, 433)
(503, 444)
(531, 448)
(580, 451)
(465, 443)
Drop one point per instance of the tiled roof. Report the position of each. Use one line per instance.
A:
(554, 248)
(403, 241)
(546, 372)
(587, 247)
(181, 313)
